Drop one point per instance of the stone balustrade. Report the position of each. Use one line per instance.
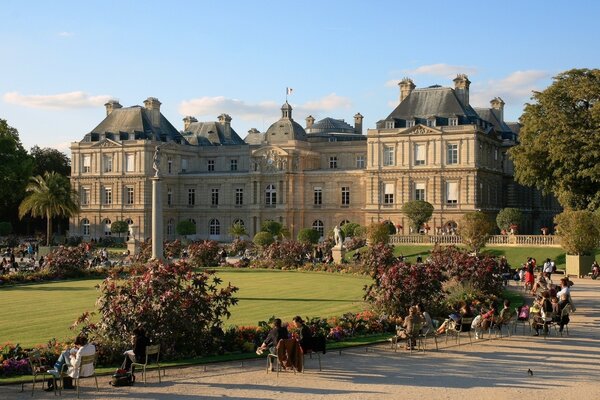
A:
(494, 240)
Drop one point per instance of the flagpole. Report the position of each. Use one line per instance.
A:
(286, 94)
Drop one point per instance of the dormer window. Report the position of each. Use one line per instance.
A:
(389, 124)
(452, 121)
(431, 122)
(410, 123)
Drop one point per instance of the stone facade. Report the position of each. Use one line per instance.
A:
(434, 146)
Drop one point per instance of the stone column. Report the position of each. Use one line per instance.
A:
(157, 228)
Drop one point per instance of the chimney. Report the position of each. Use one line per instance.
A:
(406, 87)
(461, 88)
(187, 121)
(358, 121)
(310, 120)
(112, 105)
(225, 121)
(153, 105)
(498, 108)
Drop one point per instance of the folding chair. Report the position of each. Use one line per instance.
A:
(85, 361)
(152, 350)
(462, 327)
(37, 368)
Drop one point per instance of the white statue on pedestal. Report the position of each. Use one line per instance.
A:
(337, 236)
(156, 162)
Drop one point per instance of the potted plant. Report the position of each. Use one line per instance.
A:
(579, 232)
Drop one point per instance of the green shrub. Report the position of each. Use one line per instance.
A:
(263, 239)
(309, 236)
(579, 231)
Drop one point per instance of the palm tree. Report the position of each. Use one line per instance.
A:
(49, 196)
(238, 230)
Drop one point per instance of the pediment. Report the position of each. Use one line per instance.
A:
(269, 150)
(421, 130)
(107, 143)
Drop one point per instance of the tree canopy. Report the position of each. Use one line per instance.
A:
(48, 160)
(560, 140)
(475, 229)
(418, 211)
(579, 231)
(507, 217)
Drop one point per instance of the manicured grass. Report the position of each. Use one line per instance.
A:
(32, 314)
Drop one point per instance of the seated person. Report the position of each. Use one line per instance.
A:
(428, 326)
(276, 333)
(138, 353)
(505, 315)
(83, 349)
(63, 359)
(487, 318)
(540, 283)
(455, 318)
(411, 326)
(542, 319)
(304, 334)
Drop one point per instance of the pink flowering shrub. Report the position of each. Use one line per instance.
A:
(287, 253)
(66, 262)
(204, 253)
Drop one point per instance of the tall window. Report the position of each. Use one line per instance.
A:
(214, 197)
(419, 191)
(85, 227)
(360, 161)
(451, 192)
(388, 155)
(191, 197)
(239, 196)
(388, 193)
(107, 196)
(452, 121)
(170, 165)
(86, 163)
(333, 162)
(431, 122)
(410, 123)
(84, 196)
(318, 196)
(211, 165)
(319, 227)
(107, 223)
(345, 195)
(169, 197)
(170, 226)
(184, 164)
(233, 164)
(452, 154)
(239, 222)
(214, 227)
(129, 162)
(419, 154)
(107, 160)
(270, 195)
(129, 196)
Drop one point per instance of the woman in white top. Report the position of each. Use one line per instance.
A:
(83, 349)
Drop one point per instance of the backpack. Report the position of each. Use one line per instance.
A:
(523, 313)
(122, 377)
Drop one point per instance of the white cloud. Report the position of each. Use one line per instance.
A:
(65, 34)
(328, 103)
(442, 70)
(56, 101)
(515, 89)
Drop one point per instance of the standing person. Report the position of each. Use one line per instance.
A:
(529, 277)
(548, 268)
(138, 353)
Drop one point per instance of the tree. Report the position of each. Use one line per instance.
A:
(238, 230)
(350, 229)
(263, 239)
(579, 231)
(273, 227)
(507, 217)
(560, 140)
(475, 229)
(49, 160)
(15, 169)
(378, 233)
(185, 227)
(308, 235)
(49, 196)
(418, 212)
(119, 227)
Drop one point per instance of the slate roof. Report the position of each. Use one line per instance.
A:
(286, 128)
(500, 126)
(133, 123)
(433, 101)
(330, 125)
(254, 137)
(211, 133)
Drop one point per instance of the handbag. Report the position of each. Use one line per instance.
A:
(122, 377)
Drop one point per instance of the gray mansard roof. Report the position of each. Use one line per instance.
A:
(330, 125)
(211, 133)
(133, 123)
(500, 126)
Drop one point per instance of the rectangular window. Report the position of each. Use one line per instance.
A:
(496, 154)
(388, 193)
(107, 161)
(420, 191)
(388, 155)
(452, 154)
(129, 196)
(233, 165)
(169, 197)
(419, 154)
(191, 197)
(333, 162)
(184, 164)
(431, 122)
(451, 192)
(360, 161)
(107, 196)
(345, 195)
(170, 165)
(211, 165)
(86, 163)
(84, 197)
(239, 196)
(129, 162)
(452, 121)
(410, 123)
(318, 196)
(214, 197)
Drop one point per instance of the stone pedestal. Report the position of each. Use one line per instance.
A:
(157, 228)
(338, 254)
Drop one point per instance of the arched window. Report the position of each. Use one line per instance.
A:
(214, 227)
(238, 222)
(270, 195)
(319, 227)
(192, 220)
(107, 223)
(85, 227)
(344, 222)
(170, 224)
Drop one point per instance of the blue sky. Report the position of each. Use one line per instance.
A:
(61, 60)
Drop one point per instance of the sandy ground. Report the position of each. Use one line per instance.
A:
(563, 368)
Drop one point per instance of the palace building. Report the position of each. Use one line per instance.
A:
(433, 146)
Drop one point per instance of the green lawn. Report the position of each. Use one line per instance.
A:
(32, 314)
